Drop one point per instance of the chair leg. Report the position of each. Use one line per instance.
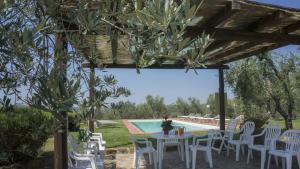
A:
(243, 149)
(276, 161)
(154, 160)
(269, 160)
(194, 154)
(248, 156)
(134, 159)
(283, 163)
(289, 162)
(221, 146)
(228, 147)
(237, 153)
(298, 159)
(209, 157)
(150, 158)
(262, 159)
(137, 162)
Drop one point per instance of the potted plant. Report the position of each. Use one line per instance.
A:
(166, 125)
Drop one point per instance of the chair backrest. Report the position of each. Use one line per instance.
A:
(211, 135)
(247, 129)
(291, 139)
(172, 140)
(272, 132)
(231, 128)
(138, 142)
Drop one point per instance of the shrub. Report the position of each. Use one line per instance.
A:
(23, 133)
(74, 122)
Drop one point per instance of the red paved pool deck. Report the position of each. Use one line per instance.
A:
(131, 128)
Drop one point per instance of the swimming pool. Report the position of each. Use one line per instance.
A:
(153, 126)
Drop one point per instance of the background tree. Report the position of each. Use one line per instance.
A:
(266, 84)
(156, 105)
(182, 106)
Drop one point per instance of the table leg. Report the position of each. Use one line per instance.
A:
(187, 158)
(159, 151)
(182, 149)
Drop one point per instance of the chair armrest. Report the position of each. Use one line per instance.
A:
(145, 142)
(83, 155)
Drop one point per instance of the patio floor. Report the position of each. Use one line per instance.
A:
(172, 161)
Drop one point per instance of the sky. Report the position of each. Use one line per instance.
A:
(172, 84)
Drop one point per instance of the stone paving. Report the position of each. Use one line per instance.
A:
(172, 161)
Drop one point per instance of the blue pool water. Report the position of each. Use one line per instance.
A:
(153, 126)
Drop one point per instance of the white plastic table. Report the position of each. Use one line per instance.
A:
(160, 137)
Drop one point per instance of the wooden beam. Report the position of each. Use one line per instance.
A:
(246, 36)
(163, 66)
(221, 99)
(267, 23)
(252, 53)
(221, 17)
(92, 98)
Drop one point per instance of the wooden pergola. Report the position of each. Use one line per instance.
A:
(240, 28)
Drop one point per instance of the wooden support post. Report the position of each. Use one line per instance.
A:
(221, 99)
(61, 133)
(92, 97)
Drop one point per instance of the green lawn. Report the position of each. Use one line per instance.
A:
(115, 135)
(296, 123)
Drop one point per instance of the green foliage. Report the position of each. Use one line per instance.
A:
(159, 33)
(23, 133)
(73, 122)
(167, 125)
(259, 121)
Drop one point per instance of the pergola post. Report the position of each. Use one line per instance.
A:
(61, 133)
(92, 97)
(221, 99)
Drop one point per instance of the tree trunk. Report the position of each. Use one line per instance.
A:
(290, 99)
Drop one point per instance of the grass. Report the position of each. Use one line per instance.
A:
(296, 123)
(115, 135)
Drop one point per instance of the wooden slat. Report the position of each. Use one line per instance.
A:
(253, 53)
(246, 36)
(261, 25)
(220, 58)
(163, 66)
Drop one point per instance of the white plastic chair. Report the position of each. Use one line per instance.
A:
(212, 134)
(86, 160)
(172, 142)
(83, 161)
(143, 146)
(270, 133)
(228, 134)
(97, 135)
(291, 138)
(245, 139)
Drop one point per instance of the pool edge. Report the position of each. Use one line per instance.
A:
(131, 127)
